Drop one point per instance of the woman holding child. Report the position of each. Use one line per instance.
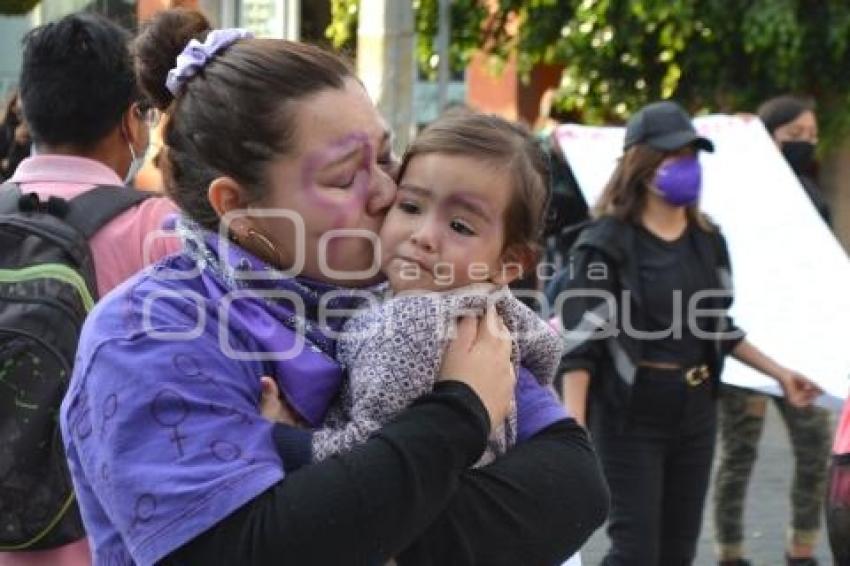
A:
(283, 170)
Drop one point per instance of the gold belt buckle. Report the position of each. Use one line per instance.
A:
(696, 375)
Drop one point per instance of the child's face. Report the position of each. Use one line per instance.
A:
(446, 228)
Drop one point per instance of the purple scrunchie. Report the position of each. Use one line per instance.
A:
(196, 55)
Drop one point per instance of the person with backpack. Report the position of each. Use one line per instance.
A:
(644, 305)
(70, 231)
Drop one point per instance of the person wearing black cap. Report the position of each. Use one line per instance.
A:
(792, 124)
(644, 307)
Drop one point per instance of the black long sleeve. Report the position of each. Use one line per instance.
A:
(537, 504)
(363, 506)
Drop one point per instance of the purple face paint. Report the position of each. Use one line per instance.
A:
(680, 181)
(341, 212)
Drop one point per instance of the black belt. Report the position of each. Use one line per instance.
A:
(694, 375)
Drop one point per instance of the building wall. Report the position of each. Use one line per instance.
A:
(503, 91)
(12, 31)
(489, 91)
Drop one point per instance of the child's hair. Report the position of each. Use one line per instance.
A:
(236, 115)
(507, 146)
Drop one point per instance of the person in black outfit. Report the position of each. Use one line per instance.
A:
(644, 306)
(792, 124)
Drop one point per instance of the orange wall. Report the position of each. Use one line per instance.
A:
(147, 8)
(505, 93)
(489, 92)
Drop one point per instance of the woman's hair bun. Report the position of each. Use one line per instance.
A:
(157, 46)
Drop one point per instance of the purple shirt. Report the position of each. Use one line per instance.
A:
(161, 426)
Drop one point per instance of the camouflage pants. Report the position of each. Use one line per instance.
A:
(742, 415)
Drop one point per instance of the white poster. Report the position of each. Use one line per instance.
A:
(791, 276)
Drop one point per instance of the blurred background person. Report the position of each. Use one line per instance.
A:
(792, 124)
(90, 125)
(15, 138)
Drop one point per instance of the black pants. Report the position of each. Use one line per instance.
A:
(657, 460)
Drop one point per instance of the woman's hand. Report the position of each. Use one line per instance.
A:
(272, 407)
(799, 390)
(480, 356)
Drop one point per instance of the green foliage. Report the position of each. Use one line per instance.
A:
(17, 7)
(467, 18)
(711, 55)
(343, 28)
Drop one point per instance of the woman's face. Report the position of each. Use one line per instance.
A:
(686, 151)
(803, 128)
(328, 197)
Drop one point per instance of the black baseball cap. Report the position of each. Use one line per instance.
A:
(664, 126)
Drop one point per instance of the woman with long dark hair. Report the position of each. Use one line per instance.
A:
(644, 302)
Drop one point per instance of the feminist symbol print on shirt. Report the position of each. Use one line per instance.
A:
(170, 409)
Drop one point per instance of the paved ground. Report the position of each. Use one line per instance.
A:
(768, 507)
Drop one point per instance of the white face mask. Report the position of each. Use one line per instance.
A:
(136, 164)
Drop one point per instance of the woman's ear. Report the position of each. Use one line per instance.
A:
(514, 264)
(226, 195)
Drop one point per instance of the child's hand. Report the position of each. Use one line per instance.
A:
(272, 407)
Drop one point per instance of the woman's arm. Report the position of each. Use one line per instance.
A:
(363, 506)
(537, 504)
(585, 297)
(366, 505)
(798, 389)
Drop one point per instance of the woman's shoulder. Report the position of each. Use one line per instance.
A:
(608, 236)
(168, 296)
(708, 232)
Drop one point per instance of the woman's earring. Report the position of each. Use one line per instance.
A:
(269, 251)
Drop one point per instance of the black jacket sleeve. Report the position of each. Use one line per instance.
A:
(731, 333)
(537, 504)
(584, 297)
(361, 507)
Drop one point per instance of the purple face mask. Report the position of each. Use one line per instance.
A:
(680, 181)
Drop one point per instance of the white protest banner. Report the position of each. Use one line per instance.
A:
(791, 276)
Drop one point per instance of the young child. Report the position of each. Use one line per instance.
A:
(465, 223)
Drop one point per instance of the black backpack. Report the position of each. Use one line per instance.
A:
(47, 286)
